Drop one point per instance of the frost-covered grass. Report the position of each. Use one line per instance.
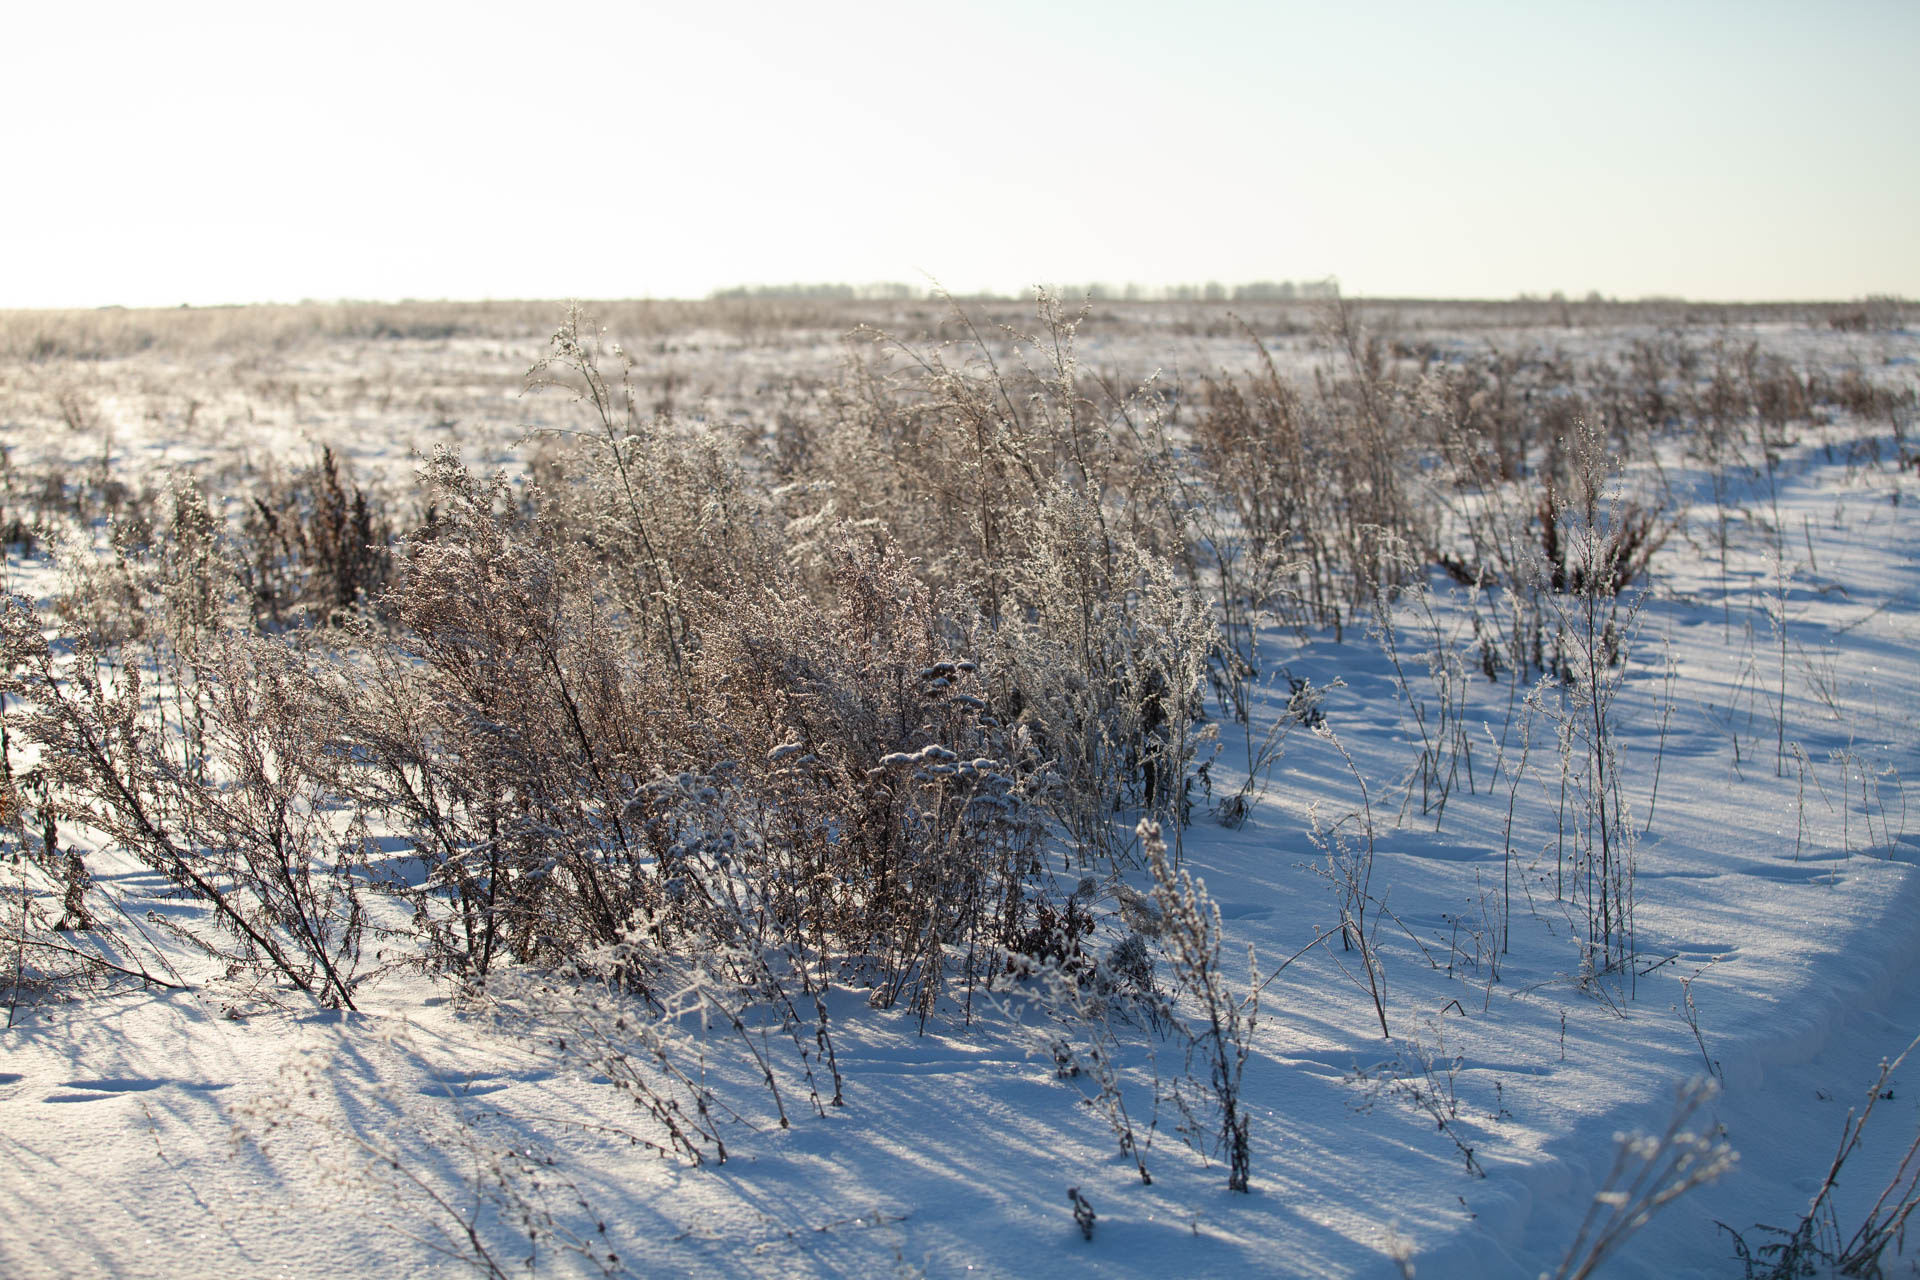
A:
(1304, 786)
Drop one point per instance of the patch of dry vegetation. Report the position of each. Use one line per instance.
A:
(705, 719)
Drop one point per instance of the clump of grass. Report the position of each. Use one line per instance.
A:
(319, 546)
(1219, 1033)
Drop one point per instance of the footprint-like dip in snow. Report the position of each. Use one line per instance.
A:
(95, 1090)
(463, 1088)
(114, 1087)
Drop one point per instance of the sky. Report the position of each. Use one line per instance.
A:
(212, 153)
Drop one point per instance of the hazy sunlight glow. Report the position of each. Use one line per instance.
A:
(210, 153)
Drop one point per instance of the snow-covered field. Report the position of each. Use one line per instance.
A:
(1764, 722)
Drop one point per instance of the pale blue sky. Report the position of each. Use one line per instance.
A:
(208, 153)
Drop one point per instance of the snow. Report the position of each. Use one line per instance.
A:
(151, 1133)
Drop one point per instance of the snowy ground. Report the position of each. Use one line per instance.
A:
(149, 1133)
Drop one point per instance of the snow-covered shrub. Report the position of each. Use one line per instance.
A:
(538, 748)
(318, 545)
(1052, 504)
(239, 819)
(661, 508)
(504, 731)
(1318, 485)
(1103, 662)
(895, 822)
(46, 921)
(1286, 467)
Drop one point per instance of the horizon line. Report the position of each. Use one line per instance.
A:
(1211, 293)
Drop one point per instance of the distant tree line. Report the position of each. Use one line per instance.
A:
(893, 291)
(884, 291)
